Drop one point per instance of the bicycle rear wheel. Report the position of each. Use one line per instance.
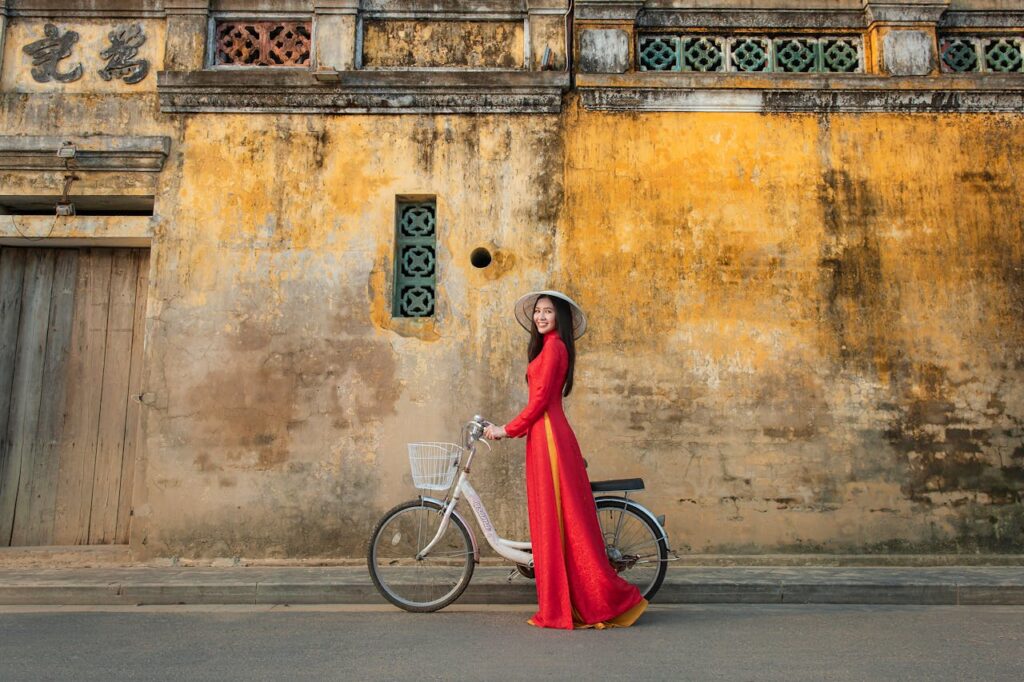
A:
(420, 585)
(636, 545)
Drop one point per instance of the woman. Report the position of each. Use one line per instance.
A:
(576, 586)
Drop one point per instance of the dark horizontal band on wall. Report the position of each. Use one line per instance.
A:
(362, 92)
(753, 19)
(819, 19)
(845, 93)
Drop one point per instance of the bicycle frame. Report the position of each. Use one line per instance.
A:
(509, 549)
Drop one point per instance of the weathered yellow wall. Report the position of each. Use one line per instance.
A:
(289, 392)
(807, 328)
(805, 334)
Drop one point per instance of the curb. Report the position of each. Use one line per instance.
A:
(671, 593)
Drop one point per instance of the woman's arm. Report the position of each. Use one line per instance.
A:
(550, 376)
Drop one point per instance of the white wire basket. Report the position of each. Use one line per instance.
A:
(434, 465)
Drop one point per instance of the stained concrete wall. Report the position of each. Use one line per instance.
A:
(805, 329)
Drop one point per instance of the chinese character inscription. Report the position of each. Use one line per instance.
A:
(125, 42)
(47, 52)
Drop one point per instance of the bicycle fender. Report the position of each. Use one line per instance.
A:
(455, 512)
(640, 509)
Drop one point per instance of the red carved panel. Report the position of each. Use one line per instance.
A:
(263, 43)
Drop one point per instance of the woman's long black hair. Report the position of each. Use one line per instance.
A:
(563, 319)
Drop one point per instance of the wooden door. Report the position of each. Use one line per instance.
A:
(71, 335)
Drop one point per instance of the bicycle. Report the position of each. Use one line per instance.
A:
(422, 552)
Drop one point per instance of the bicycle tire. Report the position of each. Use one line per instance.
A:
(651, 536)
(396, 578)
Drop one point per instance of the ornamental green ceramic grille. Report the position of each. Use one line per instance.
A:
(750, 54)
(659, 53)
(702, 54)
(959, 55)
(839, 56)
(415, 260)
(1003, 55)
(796, 55)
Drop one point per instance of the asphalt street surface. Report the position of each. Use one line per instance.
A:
(688, 642)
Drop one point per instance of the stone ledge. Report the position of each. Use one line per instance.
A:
(98, 153)
(362, 92)
(770, 93)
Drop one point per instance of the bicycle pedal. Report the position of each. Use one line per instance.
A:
(512, 574)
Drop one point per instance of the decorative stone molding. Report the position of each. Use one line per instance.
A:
(434, 10)
(95, 153)
(838, 93)
(362, 92)
(87, 9)
(904, 11)
(608, 10)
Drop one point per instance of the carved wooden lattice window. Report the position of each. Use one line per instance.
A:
(415, 259)
(799, 54)
(262, 43)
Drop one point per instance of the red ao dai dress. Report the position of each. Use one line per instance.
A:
(576, 586)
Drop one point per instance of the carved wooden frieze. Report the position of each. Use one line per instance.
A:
(263, 43)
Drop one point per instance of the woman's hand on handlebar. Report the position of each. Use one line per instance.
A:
(494, 432)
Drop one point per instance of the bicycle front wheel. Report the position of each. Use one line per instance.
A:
(636, 545)
(427, 584)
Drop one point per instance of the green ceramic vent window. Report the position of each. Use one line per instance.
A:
(415, 259)
(970, 54)
(751, 54)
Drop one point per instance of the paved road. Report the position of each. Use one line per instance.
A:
(689, 642)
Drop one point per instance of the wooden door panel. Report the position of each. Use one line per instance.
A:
(26, 391)
(36, 500)
(12, 278)
(134, 407)
(71, 338)
(114, 398)
(85, 380)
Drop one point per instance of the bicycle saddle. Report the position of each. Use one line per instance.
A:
(622, 484)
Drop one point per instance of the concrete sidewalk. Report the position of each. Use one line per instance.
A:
(975, 585)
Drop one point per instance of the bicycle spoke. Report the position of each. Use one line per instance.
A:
(634, 545)
(428, 582)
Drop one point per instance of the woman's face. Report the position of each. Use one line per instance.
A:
(544, 315)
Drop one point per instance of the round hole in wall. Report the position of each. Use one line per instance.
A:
(480, 258)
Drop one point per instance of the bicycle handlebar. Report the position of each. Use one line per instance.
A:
(475, 428)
